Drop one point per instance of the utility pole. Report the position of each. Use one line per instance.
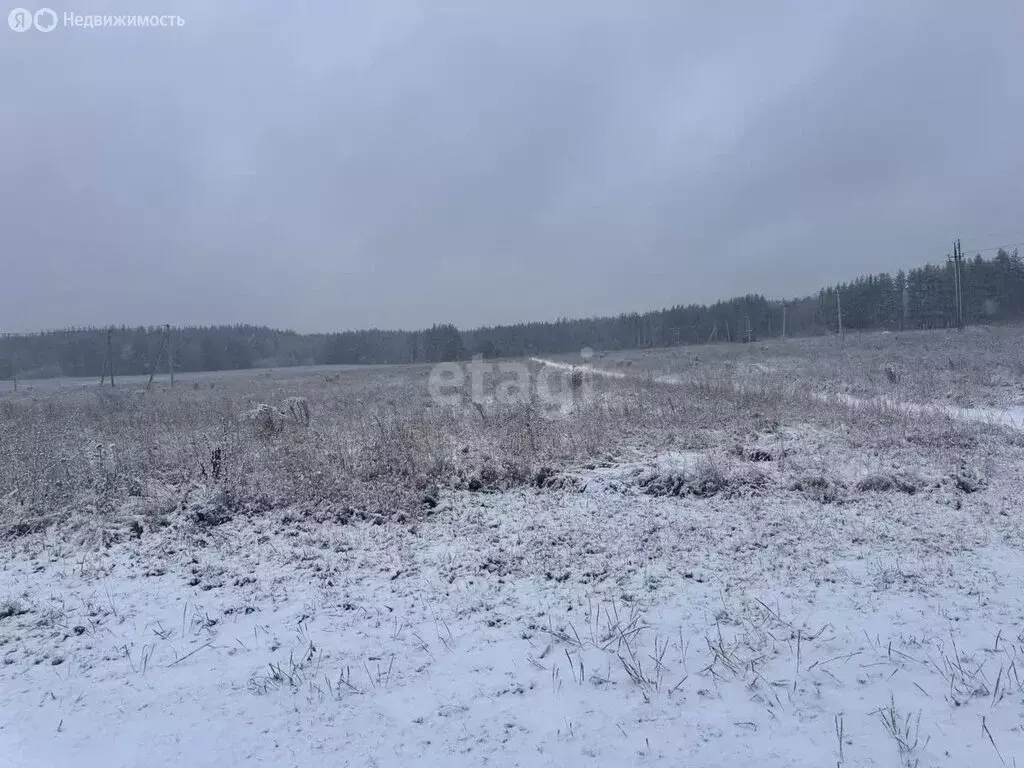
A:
(108, 362)
(170, 354)
(783, 321)
(156, 362)
(110, 355)
(904, 306)
(839, 312)
(958, 288)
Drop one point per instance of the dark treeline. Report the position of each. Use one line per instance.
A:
(993, 292)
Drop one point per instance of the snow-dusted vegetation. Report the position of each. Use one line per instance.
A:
(799, 553)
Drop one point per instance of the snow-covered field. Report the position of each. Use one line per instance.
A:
(712, 569)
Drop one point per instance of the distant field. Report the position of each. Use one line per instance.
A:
(808, 551)
(982, 366)
(186, 379)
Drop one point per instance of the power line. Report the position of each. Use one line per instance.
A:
(1005, 246)
(1004, 235)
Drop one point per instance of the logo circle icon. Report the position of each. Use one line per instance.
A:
(45, 20)
(20, 20)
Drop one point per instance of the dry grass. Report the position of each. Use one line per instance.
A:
(111, 464)
(372, 442)
(981, 367)
(619, 591)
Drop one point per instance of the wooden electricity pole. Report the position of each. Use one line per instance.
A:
(156, 362)
(839, 312)
(783, 321)
(958, 286)
(110, 354)
(170, 354)
(108, 363)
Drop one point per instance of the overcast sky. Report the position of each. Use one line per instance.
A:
(336, 164)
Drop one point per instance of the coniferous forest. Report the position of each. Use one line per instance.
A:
(993, 292)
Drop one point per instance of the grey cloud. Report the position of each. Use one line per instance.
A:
(395, 164)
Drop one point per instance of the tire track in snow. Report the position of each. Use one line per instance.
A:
(1003, 417)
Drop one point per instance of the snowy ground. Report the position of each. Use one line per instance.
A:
(806, 597)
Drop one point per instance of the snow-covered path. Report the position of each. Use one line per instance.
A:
(1004, 417)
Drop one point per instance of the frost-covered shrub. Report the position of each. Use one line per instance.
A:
(297, 410)
(266, 420)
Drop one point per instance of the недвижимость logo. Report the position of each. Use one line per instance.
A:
(46, 20)
(22, 20)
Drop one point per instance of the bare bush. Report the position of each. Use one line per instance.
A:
(266, 420)
(9, 608)
(968, 479)
(818, 487)
(882, 482)
(297, 409)
(576, 379)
